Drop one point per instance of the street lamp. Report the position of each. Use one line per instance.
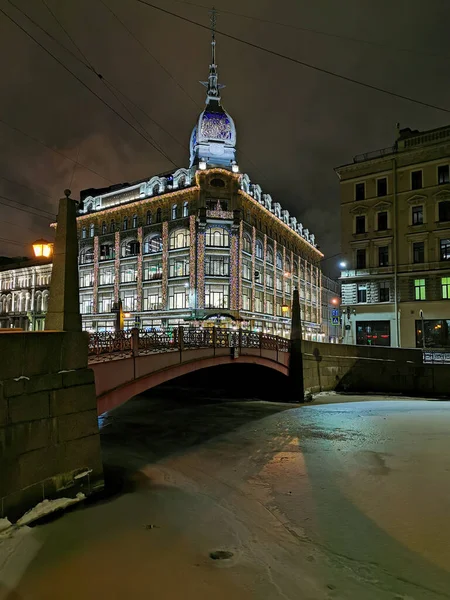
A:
(42, 248)
(284, 309)
(335, 301)
(343, 264)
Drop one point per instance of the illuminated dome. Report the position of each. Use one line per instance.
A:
(213, 138)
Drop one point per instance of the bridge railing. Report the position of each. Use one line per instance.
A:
(165, 339)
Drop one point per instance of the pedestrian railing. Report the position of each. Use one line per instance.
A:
(165, 339)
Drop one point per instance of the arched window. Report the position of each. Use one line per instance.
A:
(259, 249)
(287, 265)
(217, 236)
(107, 252)
(185, 209)
(174, 211)
(247, 243)
(182, 182)
(112, 226)
(158, 215)
(129, 248)
(279, 261)
(444, 210)
(38, 302)
(269, 255)
(91, 230)
(28, 302)
(149, 218)
(104, 228)
(83, 233)
(155, 189)
(135, 221)
(180, 238)
(152, 244)
(86, 256)
(295, 268)
(44, 302)
(125, 223)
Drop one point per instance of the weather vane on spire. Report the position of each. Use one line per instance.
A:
(212, 85)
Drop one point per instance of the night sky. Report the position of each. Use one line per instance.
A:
(294, 125)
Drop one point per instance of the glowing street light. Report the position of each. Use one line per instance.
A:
(42, 248)
(285, 309)
(335, 301)
(343, 264)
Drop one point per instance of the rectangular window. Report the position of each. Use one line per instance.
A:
(417, 215)
(373, 333)
(437, 333)
(216, 296)
(443, 174)
(129, 299)
(86, 279)
(362, 292)
(246, 298)
(178, 297)
(152, 298)
(128, 273)
(269, 304)
(361, 258)
(382, 187)
(269, 280)
(383, 256)
(86, 301)
(279, 283)
(444, 210)
(418, 252)
(382, 221)
(360, 191)
(445, 283)
(384, 291)
(105, 302)
(419, 289)
(416, 180)
(247, 270)
(445, 249)
(106, 276)
(258, 302)
(279, 310)
(179, 267)
(218, 266)
(360, 224)
(152, 270)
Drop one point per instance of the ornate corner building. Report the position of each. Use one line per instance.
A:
(395, 239)
(198, 244)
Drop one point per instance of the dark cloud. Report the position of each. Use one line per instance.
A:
(294, 124)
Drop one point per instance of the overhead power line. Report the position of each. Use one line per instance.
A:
(81, 82)
(387, 47)
(27, 210)
(13, 181)
(299, 62)
(13, 242)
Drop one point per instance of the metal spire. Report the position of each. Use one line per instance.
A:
(213, 86)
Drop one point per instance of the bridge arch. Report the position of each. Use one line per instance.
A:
(131, 380)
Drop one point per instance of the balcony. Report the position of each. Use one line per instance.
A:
(373, 272)
(219, 214)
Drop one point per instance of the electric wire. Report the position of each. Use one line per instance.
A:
(300, 62)
(82, 83)
(27, 209)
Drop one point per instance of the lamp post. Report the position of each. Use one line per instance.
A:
(296, 357)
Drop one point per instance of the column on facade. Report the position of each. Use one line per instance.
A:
(95, 276)
(192, 262)
(116, 265)
(275, 290)
(139, 270)
(264, 275)
(283, 278)
(241, 244)
(252, 308)
(201, 268)
(234, 270)
(165, 264)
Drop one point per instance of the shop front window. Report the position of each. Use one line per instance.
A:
(373, 333)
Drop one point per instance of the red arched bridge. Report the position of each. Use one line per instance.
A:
(127, 363)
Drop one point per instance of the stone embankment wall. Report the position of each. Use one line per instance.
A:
(372, 369)
(49, 438)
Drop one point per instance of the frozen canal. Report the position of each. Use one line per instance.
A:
(347, 500)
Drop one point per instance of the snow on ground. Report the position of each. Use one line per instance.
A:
(48, 506)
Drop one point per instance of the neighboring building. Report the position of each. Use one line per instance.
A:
(395, 222)
(197, 244)
(24, 294)
(331, 312)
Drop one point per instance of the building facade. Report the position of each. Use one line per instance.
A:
(24, 295)
(395, 238)
(201, 244)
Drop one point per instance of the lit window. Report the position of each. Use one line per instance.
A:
(445, 283)
(152, 244)
(279, 260)
(185, 209)
(445, 249)
(419, 289)
(180, 238)
(83, 233)
(216, 296)
(174, 211)
(259, 249)
(149, 218)
(362, 292)
(104, 227)
(125, 223)
(135, 221)
(217, 236)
